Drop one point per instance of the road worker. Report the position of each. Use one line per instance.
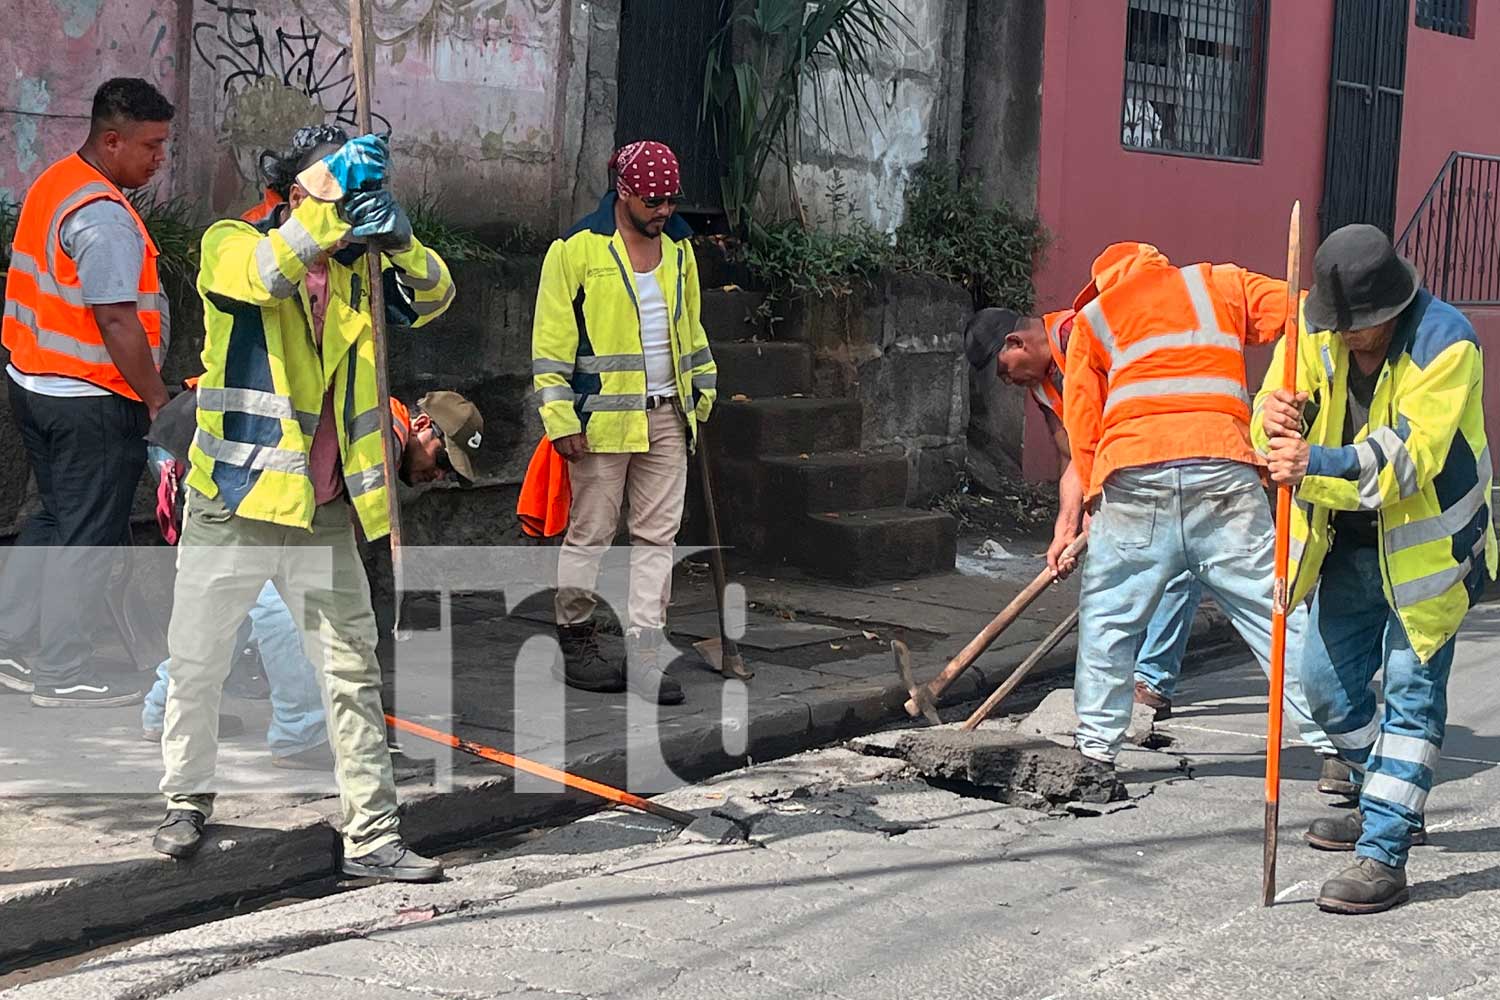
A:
(1391, 534)
(1158, 414)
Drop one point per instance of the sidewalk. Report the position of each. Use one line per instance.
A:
(77, 867)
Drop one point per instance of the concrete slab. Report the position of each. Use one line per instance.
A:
(762, 631)
(1013, 767)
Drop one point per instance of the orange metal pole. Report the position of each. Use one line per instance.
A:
(1281, 592)
(615, 795)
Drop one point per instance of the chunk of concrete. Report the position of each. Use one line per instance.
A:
(1054, 719)
(1011, 766)
(713, 829)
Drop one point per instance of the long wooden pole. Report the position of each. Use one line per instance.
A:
(361, 58)
(1280, 594)
(1018, 675)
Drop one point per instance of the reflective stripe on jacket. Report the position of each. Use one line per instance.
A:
(47, 326)
(1049, 392)
(1422, 464)
(1156, 362)
(261, 394)
(588, 366)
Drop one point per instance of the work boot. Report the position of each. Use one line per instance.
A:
(1338, 778)
(1367, 886)
(643, 670)
(1342, 833)
(583, 665)
(395, 863)
(180, 834)
(1145, 695)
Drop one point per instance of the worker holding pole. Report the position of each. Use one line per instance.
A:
(1158, 412)
(288, 455)
(1031, 352)
(1384, 443)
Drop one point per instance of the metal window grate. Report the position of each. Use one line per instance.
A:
(1451, 17)
(1195, 73)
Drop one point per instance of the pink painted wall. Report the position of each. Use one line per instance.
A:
(45, 93)
(1452, 86)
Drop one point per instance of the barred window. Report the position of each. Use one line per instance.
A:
(1195, 77)
(1451, 17)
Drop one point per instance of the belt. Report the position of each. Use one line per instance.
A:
(652, 402)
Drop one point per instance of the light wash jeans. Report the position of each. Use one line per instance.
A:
(1159, 663)
(1157, 522)
(297, 719)
(1351, 634)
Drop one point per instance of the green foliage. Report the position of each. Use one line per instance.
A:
(172, 223)
(452, 243)
(755, 105)
(949, 231)
(9, 213)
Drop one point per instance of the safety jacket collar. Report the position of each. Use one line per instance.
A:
(601, 221)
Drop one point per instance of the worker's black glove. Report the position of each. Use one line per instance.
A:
(378, 220)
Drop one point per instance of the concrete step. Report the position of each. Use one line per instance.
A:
(862, 547)
(758, 369)
(793, 426)
(839, 480)
(732, 315)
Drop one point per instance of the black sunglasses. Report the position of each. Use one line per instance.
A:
(659, 200)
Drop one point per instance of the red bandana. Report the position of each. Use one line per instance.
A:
(647, 169)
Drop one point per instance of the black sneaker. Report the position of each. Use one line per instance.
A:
(1367, 886)
(1338, 778)
(583, 665)
(15, 674)
(91, 692)
(1342, 833)
(396, 863)
(180, 834)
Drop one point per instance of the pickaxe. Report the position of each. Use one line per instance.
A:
(924, 697)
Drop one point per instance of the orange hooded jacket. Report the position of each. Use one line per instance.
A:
(1156, 361)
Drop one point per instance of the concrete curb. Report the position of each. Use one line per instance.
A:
(298, 845)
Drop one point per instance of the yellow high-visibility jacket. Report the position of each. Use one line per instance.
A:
(1422, 464)
(588, 366)
(264, 379)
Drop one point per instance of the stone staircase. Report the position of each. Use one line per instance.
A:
(793, 484)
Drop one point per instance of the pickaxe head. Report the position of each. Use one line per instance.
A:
(920, 701)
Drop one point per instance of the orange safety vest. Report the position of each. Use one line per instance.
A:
(1049, 392)
(1156, 363)
(263, 208)
(48, 328)
(546, 499)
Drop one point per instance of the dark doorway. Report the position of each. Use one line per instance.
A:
(1364, 114)
(663, 47)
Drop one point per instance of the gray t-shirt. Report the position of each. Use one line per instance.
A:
(106, 246)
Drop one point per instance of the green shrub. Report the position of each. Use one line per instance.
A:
(9, 213)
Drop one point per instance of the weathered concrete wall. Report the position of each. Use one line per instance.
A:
(897, 347)
(1002, 134)
(56, 52)
(917, 98)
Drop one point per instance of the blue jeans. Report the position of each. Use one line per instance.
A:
(297, 719)
(1208, 519)
(1159, 663)
(1353, 631)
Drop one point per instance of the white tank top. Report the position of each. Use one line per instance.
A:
(656, 336)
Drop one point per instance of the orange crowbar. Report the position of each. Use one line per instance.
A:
(1280, 594)
(510, 760)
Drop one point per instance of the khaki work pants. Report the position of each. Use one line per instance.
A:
(222, 564)
(655, 483)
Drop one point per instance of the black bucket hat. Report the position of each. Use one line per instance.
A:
(986, 333)
(1359, 281)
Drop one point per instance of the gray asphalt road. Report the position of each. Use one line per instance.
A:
(864, 882)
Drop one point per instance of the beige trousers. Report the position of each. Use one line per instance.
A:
(655, 483)
(222, 564)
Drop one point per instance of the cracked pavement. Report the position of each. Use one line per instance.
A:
(861, 881)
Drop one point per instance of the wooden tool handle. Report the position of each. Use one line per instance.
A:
(991, 632)
(1019, 674)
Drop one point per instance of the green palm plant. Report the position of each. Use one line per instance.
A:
(755, 104)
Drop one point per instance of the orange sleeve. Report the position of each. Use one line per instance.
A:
(1265, 306)
(1085, 383)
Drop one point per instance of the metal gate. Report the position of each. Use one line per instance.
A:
(663, 46)
(1364, 113)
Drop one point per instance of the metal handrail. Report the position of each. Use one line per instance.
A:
(1454, 235)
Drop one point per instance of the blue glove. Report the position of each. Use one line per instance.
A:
(359, 164)
(378, 220)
